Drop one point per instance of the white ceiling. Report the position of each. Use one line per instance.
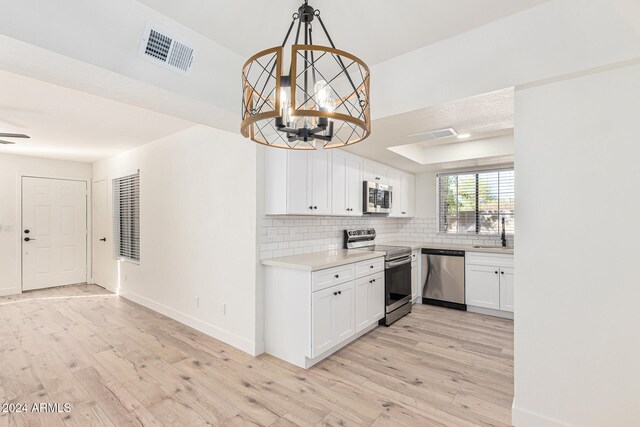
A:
(68, 124)
(374, 30)
(484, 117)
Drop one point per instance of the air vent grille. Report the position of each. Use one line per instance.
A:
(435, 134)
(158, 45)
(163, 49)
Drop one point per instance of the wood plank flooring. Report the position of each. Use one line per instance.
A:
(120, 364)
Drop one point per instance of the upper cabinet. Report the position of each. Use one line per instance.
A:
(403, 189)
(346, 184)
(376, 172)
(329, 182)
(298, 182)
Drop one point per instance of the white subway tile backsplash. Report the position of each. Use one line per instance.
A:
(295, 235)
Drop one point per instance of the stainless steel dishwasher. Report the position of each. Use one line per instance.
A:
(443, 278)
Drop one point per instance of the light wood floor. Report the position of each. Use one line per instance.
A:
(118, 363)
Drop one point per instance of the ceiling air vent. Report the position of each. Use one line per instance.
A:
(162, 48)
(435, 134)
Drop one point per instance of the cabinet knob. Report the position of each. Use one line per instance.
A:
(502, 272)
(404, 213)
(496, 272)
(371, 266)
(315, 207)
(370, 281)
(310, 207)
(335, 293)
(373, 280)
(339, 292)
(337, 275)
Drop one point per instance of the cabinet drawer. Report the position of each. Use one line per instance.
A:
(370, 266)
(323, 279)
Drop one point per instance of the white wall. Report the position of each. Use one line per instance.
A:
(197, 231)
(11, 170)
(557, 38)
(577, 336)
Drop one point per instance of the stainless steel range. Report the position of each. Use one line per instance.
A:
(397, 266)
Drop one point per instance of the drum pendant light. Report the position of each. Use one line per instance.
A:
(315, 94)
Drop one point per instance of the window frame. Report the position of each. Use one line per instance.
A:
(117, 224)
(476, 172)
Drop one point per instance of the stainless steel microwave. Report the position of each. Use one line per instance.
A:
(378, 198)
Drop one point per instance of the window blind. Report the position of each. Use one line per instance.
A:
(476, 202)
(126, 216)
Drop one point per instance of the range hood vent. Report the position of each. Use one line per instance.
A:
(435, 134)
(162, 48)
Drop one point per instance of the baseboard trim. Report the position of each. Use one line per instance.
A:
(490, 312)
(204, 327)
(9, 291)
(524, 418)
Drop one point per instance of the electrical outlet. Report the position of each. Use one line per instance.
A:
(224, 309)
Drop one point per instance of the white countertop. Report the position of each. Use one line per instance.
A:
(466, 248)
(321, 260)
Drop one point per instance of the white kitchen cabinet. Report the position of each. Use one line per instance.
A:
(415, 275)
(298, 182)
(403, 184)
(346, 184)
(483, 286)
(310, 314)
(407, 195)
(489, 282)
(369, 300)
(333, 317)
(506, 289)
(376, 172)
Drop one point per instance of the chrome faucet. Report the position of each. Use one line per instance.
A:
(504, 234)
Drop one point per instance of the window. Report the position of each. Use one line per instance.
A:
(126, 216)
(476, 202)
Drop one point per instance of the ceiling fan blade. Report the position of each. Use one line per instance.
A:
(14, 135)
(6, 142)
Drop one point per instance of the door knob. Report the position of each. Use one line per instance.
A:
(27, 239)
(104, 239)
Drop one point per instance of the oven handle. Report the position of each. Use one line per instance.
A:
(396, 263)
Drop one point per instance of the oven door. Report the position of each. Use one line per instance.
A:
(397, 283)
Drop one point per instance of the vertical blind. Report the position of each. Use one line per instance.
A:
(126, 216)
(476, 202)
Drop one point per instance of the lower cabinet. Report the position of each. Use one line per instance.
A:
(309, 314)
(333, 316)
(415, 276)
(489, 281)
(369, 300)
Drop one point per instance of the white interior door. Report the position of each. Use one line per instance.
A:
(54, 232)
(99, 231)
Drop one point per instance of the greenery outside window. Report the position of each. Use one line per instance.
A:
(476, 202)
